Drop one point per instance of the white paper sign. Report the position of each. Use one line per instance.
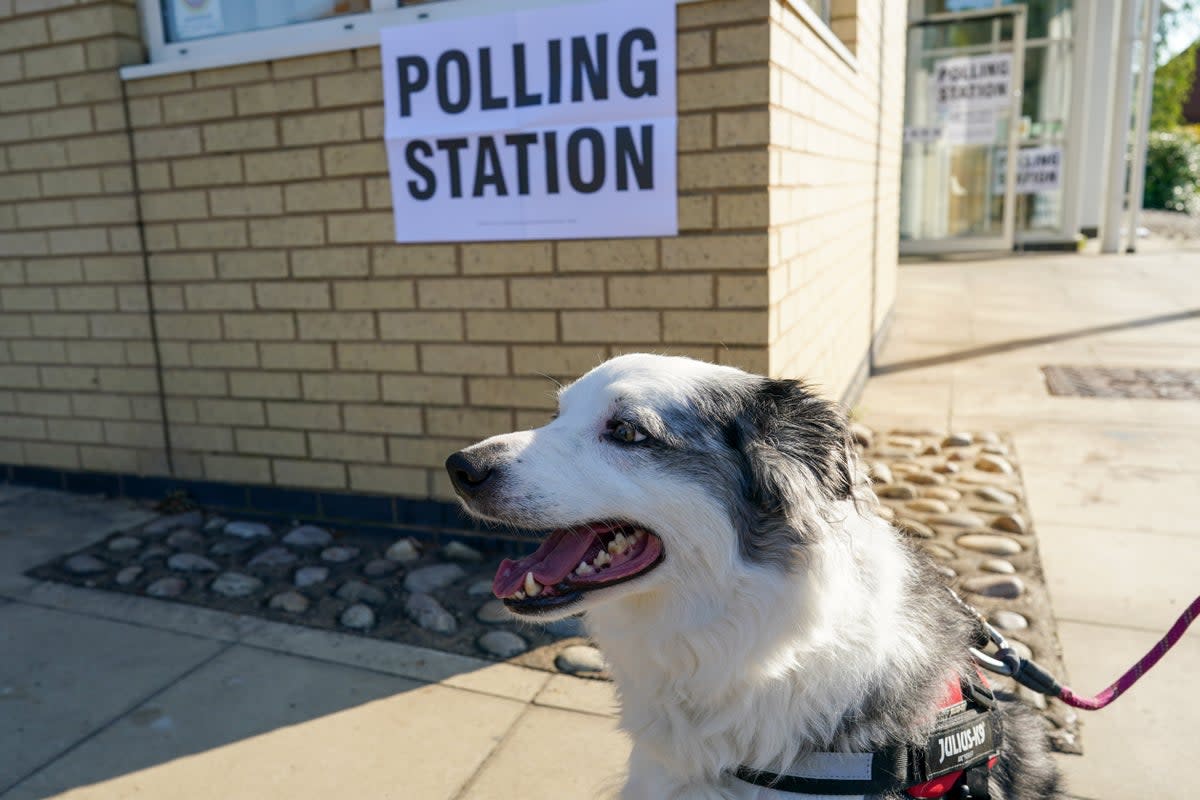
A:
(969, 83)
(553, 123)
(922, 134)
(195, 18)
(1039, 169)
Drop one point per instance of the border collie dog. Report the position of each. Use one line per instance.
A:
(719, 534)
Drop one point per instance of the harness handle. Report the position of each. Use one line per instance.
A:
(1029, 673)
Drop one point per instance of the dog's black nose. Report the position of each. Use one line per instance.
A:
(468, 473)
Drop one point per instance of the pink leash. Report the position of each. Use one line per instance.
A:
(1006, 661)
(1135, 673)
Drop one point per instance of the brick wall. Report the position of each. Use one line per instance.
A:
(834, 179)
(77, 379)
(300, 346)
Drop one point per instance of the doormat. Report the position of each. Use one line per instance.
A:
(959, 497)
(1120, 382)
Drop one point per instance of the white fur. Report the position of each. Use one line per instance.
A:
(719, 662)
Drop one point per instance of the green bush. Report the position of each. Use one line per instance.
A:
(1173, 172)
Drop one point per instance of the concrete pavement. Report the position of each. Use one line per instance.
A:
(110, 696)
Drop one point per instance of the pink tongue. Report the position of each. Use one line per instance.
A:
(554, 560)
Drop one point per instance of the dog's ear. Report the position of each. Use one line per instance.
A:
(787, 428)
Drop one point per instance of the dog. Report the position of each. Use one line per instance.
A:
(719, 536)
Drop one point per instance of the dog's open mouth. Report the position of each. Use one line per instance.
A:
(576, 560)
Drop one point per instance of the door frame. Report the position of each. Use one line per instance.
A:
(1006, 241)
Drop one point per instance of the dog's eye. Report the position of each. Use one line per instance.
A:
(625, 432)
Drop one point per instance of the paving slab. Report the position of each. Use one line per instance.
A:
(552, 754)
(1137, 747)
(580, 694)
(253, 724)
(1141, 580)
(63, 677)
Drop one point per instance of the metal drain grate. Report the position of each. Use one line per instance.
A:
(1145, 383)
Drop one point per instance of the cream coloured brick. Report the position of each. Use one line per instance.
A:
(744, 43)
(323, 64)
(733, 251)
(240, 135)
(743, 210)
(693, 49)
(87, 431)
(15, 128)
(317, 474)
(607, 255)
(283, 385)
(292, 295)
(741, 86)
(81, 24)
(388, 480)
(372, 120)
(296, 356)
(661, 291)
(194, 106)
(461, 293)
(181, 266)
(557, 360)
(133, 434)
(20, 33)
(347, 447)
(337, 325)
(102, 210)
(23, 187)
(322, 128)
(245, 201)
(195, 382)
(324, 195)
(290, 231)
(237, 469)
(26, 299)
(61, 122)
(751, 359)
(243, 73)
(40, 155)
(610, 326)
(145, 112)
(230, 412)
(49, 214)
(218, 297)
(694, 132)
(270, 442)
(381, 419)
(511, 326)
(65, 456)
(432, 259)
(468, 422)
(245, 264)
(743, 128)
(118, 179)
(359, 87)
(112, 269)
(557, 292)
(441, 359)
(333, 262)
(18, 377)
(45, 61)
(54, 271)
(78, 240)
(368, 158)
(205, 235)
(729, 327)
(345, 386)
(275, 97)
(361, 227)
(189, 326)
(45, 404)
(695, 14)
(24, 244)
(424, 389)
(224, 354)
(119, 326)
(28, 95)
(206, 171)
(166, 143)
(424, 451)
(38, 351)
(260, 326)
(305, 416)
(508, 258)
(723, 170)
(87, 298)
(150, 176)
(22, 427)
(378, 192)
(379, 294)
(214, 438)
(133, 380)
(377, 357)
(69, 325)
(285, 165)
(513, 392)
(742, 291)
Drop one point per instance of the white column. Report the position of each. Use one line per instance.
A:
(1118, 138)
(1137, 167)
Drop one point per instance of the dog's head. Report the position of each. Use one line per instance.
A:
(658, 471)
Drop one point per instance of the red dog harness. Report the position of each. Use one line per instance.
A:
(954, 762)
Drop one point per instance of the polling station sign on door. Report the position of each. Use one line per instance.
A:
(553, 123)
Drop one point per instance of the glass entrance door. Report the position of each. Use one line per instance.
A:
(961, 131)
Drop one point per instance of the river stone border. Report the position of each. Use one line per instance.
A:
(958, 496)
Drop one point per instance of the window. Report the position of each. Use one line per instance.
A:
(186, 20)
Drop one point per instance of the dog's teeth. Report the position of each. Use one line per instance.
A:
(584, 568)
(601, 559)
(519, 595)
(617, 545)
(640, 534)
(532, 587)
